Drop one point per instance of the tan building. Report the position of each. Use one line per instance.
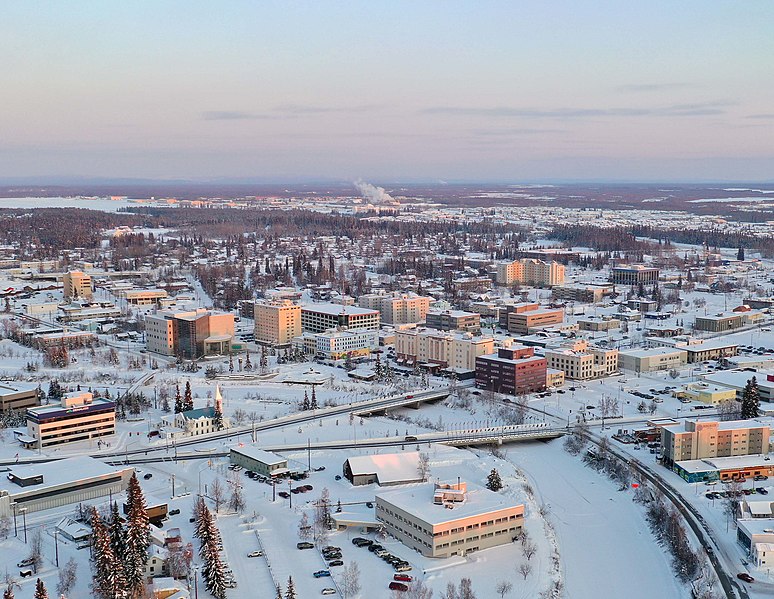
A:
(585, 294)
(530, 271)
(142, 297)
(79, 417)
(397, 308)
(710, 439)
(15, 397)
(191, 334)
(521, 323)
(453, 320)
(445, 349)
(727, 321)
(599, 324)
(581, 361)
(442, 520)
(277, 322)
(648, 360)
(705, 393)
(77, 285)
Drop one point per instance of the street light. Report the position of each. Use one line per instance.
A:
(24, 518)
(196, 582)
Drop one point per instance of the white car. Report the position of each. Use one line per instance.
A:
(329, 591)
(255, 554)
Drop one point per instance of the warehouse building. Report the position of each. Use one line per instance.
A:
(259, 461)
(383, 469)
(15, 396)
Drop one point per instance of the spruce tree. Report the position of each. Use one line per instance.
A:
(116, 532)
(40, 590)
(751, 400)
(740, 254)
(313, 403)
(291, 592)
(279, 593)
(212, 571)
(188, 398)
(493, 481)
(305, 405)
(137, 538)
(109, 581)
(178, 400)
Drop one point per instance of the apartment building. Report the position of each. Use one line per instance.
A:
(318, 318)
(276, 322)
(453, 320)
(634, 275)
(337, 344)
(443, 520)
(79, 417)
(648, 360)
(77, 285)
(523, 323)
(598, 324)
(581, 361)
(397, 308)
(455, 350)
(191, 334)
(530, 271)
(515, 370)
(508, 308)
(582, 294)
(697, 440)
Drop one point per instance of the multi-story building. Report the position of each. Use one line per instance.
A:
(530, 271)
(634, 275)
(515, 370)
(337, 344)
(584, 294)
(508, 308)
(318, 318)
(455, 350)
(598, 324)
(190, 334)
(442, 520)
(277, 322)
(522, 323)
(142, 297)
(738, 379)
(581, 361)
(79, 417)
(397, 308)
(698, 349)
(77, 285)
(719, 323)
(698, 440)
(453, 320)
(15, 397)
(648, 360)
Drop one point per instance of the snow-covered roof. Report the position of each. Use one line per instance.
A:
(58, 472)
(388, 467)
(265, 457)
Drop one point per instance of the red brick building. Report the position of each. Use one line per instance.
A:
(514, 371)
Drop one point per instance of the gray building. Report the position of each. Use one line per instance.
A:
(453, 320)
(259, 461)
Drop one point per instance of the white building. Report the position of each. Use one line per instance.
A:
(318, 318)
(79, 417)
(648, 360)
(337, 344)
(581, 361)
(452, 349)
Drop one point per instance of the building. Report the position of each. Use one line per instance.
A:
(727, 468)
(259, 461)
(453, 320)
(648, 360)
(752, 532)
(169, 588)
(530, 271)
(642, 305)
(455, 350)
(397, 308)
(711, 439)
(634, 275)
(59, 483)
(277, 322)
(580, 293)
(442, 520)
(79, 417)
(698, 349)
(77, 285)
(724, 321)
(338, 344)
(515, 371)
(15, 397)
(142, 297)
(705, 393)
(201, 421)
(514, 307)
(318, 318)
(523, 323)
(737, 379)
(598, 324)
(386, 469)
(581, 361)
(190, 335)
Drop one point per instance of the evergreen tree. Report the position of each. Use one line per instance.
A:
(108, 576)
(137, 538)
(291, 592)
(40, 590)
(313, 403)
(279, 593)
(740, 254)
(116, 532)
(493, 481)
(178, 400)
(188, 398)
(751, 399)
(230, 363)
(248, 363)
(305, 405)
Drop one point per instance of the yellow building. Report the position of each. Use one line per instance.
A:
(705, 393)
(77, 285)
(530, 271)
(277, 322)
(712, 439)
(581, 361)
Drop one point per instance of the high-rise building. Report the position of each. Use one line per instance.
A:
(711, 439)
(515, 371)
(77, 285)
(397, 308)
(191, 334)
(530, 271)
(277, 322)
(444, 349)
(318, 318)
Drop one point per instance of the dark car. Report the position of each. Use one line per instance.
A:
(284, 494)
(745, 576)
(304, 545)
(174, 512)
(321, 573)
(398, 586)
(147, 476)
(336, 562)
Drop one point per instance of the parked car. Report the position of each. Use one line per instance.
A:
(148, 476)
(305, 545)
(284, 494)
(329, 591)
(174, 512)
(27, 561)
(403, 568)
(255, 554)
(336, 562)
(745, 576)
(322, 573)
(398, 586)
(337, 477)
(402, 577)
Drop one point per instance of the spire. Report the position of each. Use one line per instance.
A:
(218, 399)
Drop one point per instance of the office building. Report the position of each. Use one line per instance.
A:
(634, 275)
(337, 344)
(719, 323)
(698, 440)
(259, 461)
(384, 469)
(648, 360)
(453, 320)
(515, 371)
(397, 308)
(191, 334)
(77, 285)
(142, 297)
(443, 520)
(525, 322)
(15, 396)
(583, 294)
(430, 347)
(318, 318)
(581, 361)
(276, 322)
(79, 417)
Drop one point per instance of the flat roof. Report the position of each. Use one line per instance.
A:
(338, 309)
(254, 453)
(655, 351)
(417, 500)
(388, 467)
(58, 472)
(738, 378)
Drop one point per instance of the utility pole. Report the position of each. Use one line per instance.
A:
(309, 454)
(56, 545)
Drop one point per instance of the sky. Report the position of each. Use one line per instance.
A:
(388, 91)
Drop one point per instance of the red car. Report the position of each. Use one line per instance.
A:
(745, 576)
(398, 586)
(402, 578)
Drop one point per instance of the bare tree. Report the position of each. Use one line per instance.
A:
(423, 467)
(528, 549)
(450, 592)
(304, 528)
(36, 549)
(418, 590)
(466, 589)
(503, 588)
(525, 569)
(729, 409)
(236, 501)
(350, 580)
(218, 493)
(67, 577)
